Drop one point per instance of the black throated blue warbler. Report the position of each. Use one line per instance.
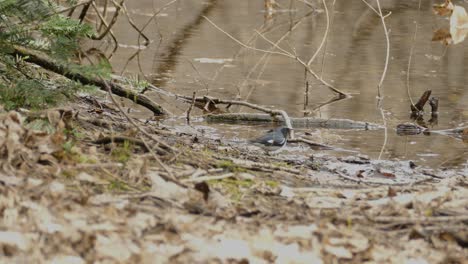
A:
(273, 140)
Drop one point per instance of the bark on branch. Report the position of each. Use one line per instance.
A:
(303, 122)
(419, 106)
(209, 103)
(48, 63)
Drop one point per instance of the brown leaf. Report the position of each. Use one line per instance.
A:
(444, 9)
(443, 35)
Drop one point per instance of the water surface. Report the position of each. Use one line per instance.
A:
(189, 54)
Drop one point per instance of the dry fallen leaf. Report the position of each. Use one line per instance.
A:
(444, 9)
(458, 28)
(458, 24)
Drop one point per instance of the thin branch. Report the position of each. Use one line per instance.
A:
(326, 42)
(111, 24)
(287, 54)
(411, 56)
(371, 7)
(382, 78)
(266, 57)
(324, 35)
(171, 177)
(209, 178)
(244, 45)
(387, 38)
(46, 62)
(191, 107)
(385, 133)
(309, 69)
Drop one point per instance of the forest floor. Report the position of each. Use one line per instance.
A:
(68, 197)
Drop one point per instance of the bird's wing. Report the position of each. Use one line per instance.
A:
(267, 139)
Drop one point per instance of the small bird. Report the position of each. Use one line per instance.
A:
(274, 140)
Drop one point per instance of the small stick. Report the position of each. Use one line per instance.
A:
(419, 106)
(434, 103)
(209, 178)
(306, 94)
(190, 107)
(112, 23)
(159, 142)
(84, 11)
(310, 143)
(384, 73)
(324, 35)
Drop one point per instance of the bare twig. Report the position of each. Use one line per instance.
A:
(190, 107)
(103, 22)
(283, 53)
(310, 143)
(324, 35)
(113, 21)
(326, 41)
(420, 219)
(171, 177)
(419, 106)
(245, 45)
(209, 178)
(266, 56)
(411, 56)
(382, 78)
(387, 54)
(84, 11)
(409, 65)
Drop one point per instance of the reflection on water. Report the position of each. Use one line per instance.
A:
(188, 54)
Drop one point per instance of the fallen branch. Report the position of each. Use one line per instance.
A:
(374, 183)
(209, 103)
(315, 145)
(414, 129)
(122, 139)
(209, 178)
(48, 63)
(414, 220)
(306, 122)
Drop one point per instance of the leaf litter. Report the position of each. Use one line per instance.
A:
(63, 201)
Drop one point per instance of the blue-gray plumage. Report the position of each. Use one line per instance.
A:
(273, 140)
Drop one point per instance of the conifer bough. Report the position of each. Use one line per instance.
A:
(48, 63)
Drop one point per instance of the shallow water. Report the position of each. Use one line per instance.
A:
(189, 54)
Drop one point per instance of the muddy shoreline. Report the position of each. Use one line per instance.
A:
(235, 205)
